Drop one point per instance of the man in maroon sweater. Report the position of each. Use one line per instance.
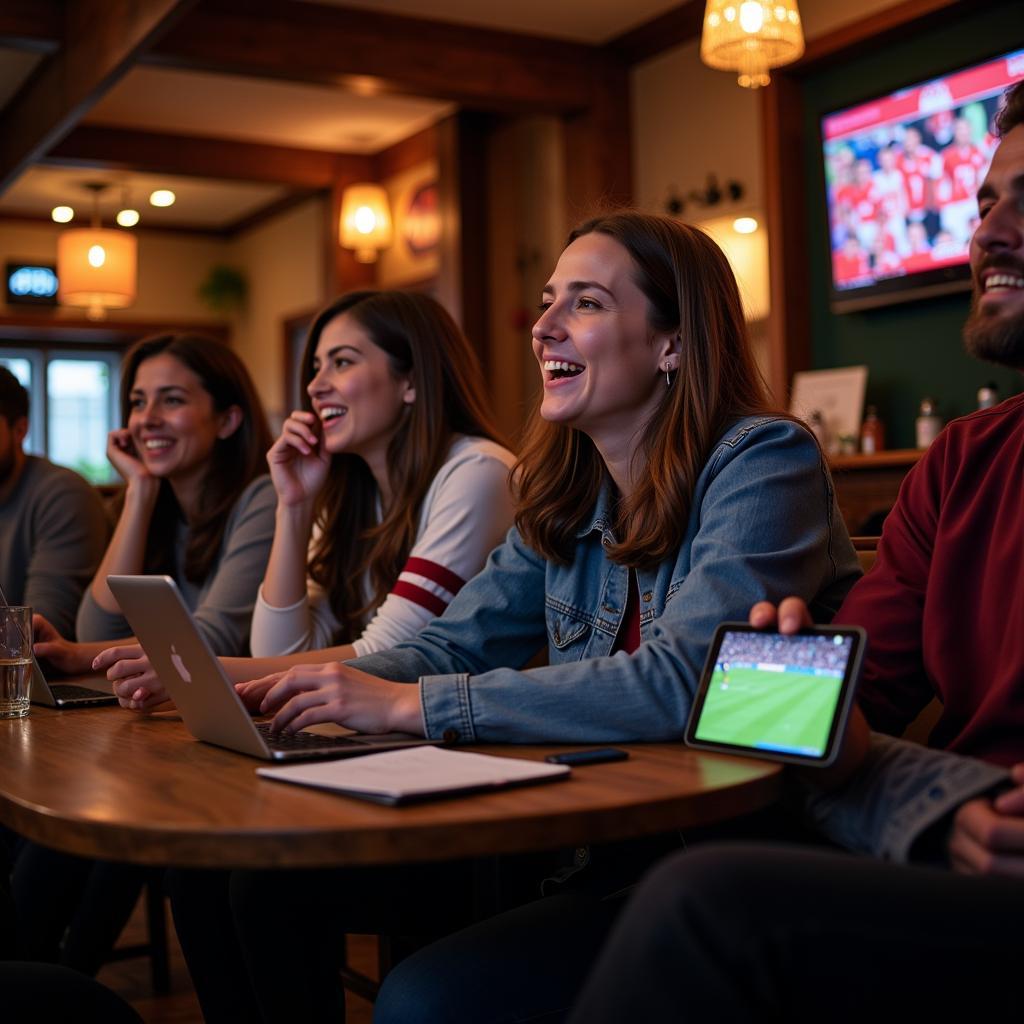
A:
(743, 932)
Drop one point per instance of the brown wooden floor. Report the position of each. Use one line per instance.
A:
(130, 979)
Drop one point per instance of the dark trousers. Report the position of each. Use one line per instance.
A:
(71, 910)
(730, 933)
(527, 964)
(266, 946)
(31, 992)
(767, 933)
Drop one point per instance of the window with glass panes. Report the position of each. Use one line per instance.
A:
(74, 405)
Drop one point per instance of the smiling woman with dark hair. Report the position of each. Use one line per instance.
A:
(659, 494)
(392, 477)
(197, 502)
(197, 505)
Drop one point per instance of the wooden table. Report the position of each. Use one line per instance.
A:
(107, 783)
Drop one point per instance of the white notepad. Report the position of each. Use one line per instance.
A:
(418, 773)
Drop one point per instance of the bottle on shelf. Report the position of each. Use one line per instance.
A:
(818, 428)
(988, 395)
(928, 422)
(872, 433)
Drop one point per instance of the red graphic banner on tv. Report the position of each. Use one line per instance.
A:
(941, 94)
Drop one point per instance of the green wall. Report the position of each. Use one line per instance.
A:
(912, 349)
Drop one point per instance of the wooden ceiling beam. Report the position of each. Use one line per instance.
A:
(35, 25)
(675, 27)
(202, 230)
(371, 53)
(405, 154)
(101, 41)
(201, 157)
(269, 211)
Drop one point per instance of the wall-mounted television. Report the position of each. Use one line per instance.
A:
(901, 174)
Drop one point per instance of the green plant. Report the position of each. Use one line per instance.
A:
(224, 290)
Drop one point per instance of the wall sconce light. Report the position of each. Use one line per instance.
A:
(365, 224)
(751, 36)
(745, 244)
(711, 195)
(96, 267)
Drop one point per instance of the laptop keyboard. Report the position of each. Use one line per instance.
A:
(303, 740)
(69, 691)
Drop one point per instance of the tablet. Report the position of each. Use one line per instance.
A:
(779, 697)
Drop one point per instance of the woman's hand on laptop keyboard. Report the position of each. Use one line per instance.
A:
(64, 655)
(135, 683)
(253, 692)
(310, 694)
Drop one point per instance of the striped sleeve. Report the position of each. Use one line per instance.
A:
(465, 514)
(427, 584)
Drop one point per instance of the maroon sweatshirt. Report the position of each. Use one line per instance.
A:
(943, 605)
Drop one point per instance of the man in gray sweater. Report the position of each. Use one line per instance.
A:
(53, 529)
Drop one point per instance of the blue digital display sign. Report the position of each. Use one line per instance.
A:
(32, 283)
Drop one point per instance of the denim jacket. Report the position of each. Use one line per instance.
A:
(762, 525)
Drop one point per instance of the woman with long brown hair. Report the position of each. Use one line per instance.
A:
(197, 505)
(197, 502)
(394, 468)
(658, 495)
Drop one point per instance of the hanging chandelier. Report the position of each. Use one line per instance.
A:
(751, 36)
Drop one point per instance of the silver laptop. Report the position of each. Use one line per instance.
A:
(209, 706)
(65, 695)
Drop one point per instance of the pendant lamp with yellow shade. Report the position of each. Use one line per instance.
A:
(751, 36)
(96, 266)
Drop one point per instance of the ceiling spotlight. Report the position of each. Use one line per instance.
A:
(128, 218)
(62, 214)
(744, 225)
(162, 197)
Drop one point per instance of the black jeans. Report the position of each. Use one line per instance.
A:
(769, 933)
(43, 992)
(49, 992)
(266, 946)
(527, 964)
(71, 910)
(730, 933)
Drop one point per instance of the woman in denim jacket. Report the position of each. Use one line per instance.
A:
(658, 495)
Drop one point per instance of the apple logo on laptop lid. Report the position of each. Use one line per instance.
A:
(179, 665)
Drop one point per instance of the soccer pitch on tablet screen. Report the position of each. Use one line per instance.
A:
(775, 696)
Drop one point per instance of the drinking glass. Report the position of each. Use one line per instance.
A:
(15, 660)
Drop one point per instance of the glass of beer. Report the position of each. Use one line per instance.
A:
(15, 660)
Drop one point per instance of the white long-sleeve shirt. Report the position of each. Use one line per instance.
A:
(465, 514)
